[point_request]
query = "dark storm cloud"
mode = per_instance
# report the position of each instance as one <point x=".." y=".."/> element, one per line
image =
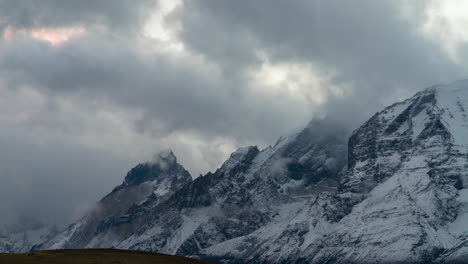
<point x="168" y="90"/>
<point x="371" y="44"/>
<point x="118" y="14"/>
<point x="373" y="48"/>
<point x="176" y="93"/>
<point x="51" y="179"/>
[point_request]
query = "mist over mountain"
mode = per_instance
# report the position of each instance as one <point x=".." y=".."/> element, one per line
<point x="281" y="128"/>
<point x="89" y="89"/>
<point x="394" y="191"/>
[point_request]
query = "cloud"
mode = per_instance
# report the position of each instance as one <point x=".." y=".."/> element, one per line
<point x="90" y="88"/>
<point x="55" y="36"/>
<point x="374" y="46"/>
<point x="120" y="15"/>
<point x="446" y="23"/>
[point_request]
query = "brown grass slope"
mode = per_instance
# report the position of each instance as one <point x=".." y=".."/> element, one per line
<point x="95" y="256"/>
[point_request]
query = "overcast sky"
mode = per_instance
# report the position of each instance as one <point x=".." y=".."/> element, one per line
<point x="90" y="88"/>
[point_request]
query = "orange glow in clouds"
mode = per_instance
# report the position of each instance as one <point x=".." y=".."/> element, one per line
<point x="7" y="33"/>
<point x="55" y="36"/>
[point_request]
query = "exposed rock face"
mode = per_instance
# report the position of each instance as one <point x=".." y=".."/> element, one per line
<point x="403" y="198"/>
<point x="398" y="192"/>
<point x="251" y="189"/>
<point x="407" y="165"/>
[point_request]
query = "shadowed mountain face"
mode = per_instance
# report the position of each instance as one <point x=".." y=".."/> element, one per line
<point x="396" y="192"/>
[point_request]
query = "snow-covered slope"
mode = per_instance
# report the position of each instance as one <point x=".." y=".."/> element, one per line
<point x="403" y="197"/>
<point x="397" y="192"/>
<point x="409" y="166"/>
<point x="251" y="189"/>
<point x="247" y="192"/>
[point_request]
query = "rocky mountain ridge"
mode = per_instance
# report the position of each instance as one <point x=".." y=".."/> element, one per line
<point x="397" y="191"/>
<point x="403" y="198"/>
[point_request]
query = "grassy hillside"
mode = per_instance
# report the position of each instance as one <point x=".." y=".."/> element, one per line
<point x="94" y="256"/>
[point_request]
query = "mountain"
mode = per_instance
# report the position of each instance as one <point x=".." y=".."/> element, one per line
<point x="395" y="191"/>
<point x="148" y="183"/>
<point x="402" y="199"/>
<point x="252" y="188"/>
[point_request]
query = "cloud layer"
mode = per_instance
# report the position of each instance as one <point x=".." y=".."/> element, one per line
<point x="90" y="88"/>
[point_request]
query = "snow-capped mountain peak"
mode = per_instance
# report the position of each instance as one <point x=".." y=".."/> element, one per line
<point x="163" y="168"/>
<point x="396" y="192"/>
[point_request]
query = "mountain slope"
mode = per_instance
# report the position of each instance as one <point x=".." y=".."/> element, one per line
<point x="415" y="154"/>
<point x="399" y="193"/>
<point x="402" y="198"/>
<point x="252" y="188"/>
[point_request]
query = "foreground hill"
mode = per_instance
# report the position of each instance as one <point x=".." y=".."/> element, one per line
<point x="95" y="256"/>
